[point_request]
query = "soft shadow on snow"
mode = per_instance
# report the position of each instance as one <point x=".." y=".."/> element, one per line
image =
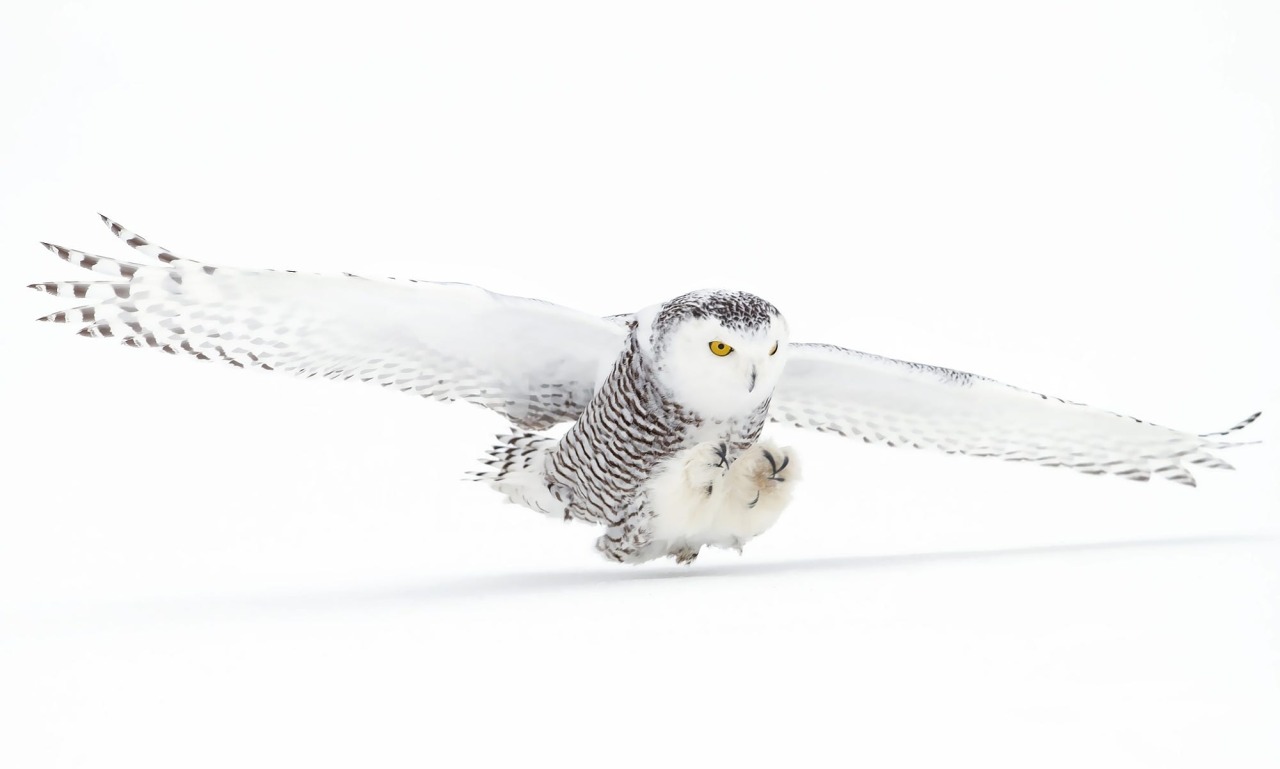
<point x="548" y="583"/>
<point x="534" y="583"/>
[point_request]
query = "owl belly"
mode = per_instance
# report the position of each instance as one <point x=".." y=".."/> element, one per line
<point x="697" y="497"/>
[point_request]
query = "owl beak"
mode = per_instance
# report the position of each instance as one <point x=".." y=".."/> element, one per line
<point x="751" y="382"/>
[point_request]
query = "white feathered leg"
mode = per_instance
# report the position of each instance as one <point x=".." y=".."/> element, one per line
<point x="758" y="488"/>
<point x="699" y="498"/>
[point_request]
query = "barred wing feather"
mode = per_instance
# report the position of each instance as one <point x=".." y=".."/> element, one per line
<point x="896" y="403"/>
<point x="532" y="361"/>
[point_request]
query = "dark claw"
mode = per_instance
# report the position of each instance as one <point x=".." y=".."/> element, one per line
<point x="774" y="467"/>
<point x="753" y="502"/>
<point x="685" y="556"/>
<point x="709" y="488"/>
<point x="722" y="451"/>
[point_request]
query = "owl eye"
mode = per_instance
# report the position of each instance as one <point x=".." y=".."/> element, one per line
<point x="720" y="348"/>
<point x="775" y="348"/>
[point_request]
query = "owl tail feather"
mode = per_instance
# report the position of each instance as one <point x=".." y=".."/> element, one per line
<point x="517" y="470"/>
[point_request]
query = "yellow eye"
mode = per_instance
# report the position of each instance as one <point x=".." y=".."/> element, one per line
<point x="720" y="348"/>
<point x="775" y="348"/>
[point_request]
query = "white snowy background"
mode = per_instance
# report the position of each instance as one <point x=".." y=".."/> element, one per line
<point x="201" y="566"/>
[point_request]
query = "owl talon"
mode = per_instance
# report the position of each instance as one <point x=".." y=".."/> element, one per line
<point x="761" y="472"/>
<point x="774" y="467"/>
<point x="706" y="467"/>
<point x="685" y="555"/>
<point x="722" y="453"/>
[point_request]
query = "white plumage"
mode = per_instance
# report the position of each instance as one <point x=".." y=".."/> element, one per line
<point x="894" y="403"/>
<point x="432" y="339"/>
<point x="666" y="404"/>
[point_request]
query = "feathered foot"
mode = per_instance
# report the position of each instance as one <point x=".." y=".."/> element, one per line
<point x="763" y="477"/>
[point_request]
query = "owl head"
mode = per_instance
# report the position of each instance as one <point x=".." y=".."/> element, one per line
<point x="719" y="353"/>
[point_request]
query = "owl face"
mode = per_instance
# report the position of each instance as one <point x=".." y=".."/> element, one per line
<point x="719" y="353"/>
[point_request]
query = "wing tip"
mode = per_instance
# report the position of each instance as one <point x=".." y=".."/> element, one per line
<point x="111" y="223"/>
<point x="139" y="243"/>
<point x="62" y="253"/>
<point x="1242" y="424"/>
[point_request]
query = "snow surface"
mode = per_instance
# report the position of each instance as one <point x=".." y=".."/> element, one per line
<point x="201" y="566"/>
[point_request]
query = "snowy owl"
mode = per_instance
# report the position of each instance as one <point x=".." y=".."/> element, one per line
<point x="665" y="405"/>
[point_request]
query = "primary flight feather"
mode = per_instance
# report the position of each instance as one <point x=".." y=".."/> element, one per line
<point x="667" y="404"/>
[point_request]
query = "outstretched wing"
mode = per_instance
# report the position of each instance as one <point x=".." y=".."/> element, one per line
<point x="893" y="402"/>
<point x="534" y="362"/>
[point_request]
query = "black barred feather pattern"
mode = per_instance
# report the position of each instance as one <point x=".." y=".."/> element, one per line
<point x="895" y="403"/>
<point x="608" y="454"/>
<point x="532" y="361"/>
<point x="513" y="452"/>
